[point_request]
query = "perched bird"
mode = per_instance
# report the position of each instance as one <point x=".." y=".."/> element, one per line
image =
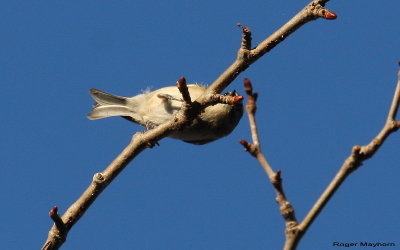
<point x="151" y="109"/>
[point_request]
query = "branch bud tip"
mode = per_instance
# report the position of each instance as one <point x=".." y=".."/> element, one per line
<point x="53" y="211"/>
<point x="330" y="15"/>
<point x="181" y="84"/>
<point x="181" y="81"/>
<point x="247" y="86"/>
<point x="244" y="28"/>
<point x="245" y="144"/>
<point x="236" y="99"/>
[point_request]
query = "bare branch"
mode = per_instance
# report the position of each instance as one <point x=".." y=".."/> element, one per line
<point x="396" y="100"/>
<point x="246" y="56"/>
<point x="359" y="154"/>
<point x="357" y="157"/>
<point x="254" y="149"/>
<point x="251" y="109"/>
<point x="60" y="230"/>
<point x="246" y="37"/>
<point x="140" y="141"/>
<point x="181" y="84"/>
<point x="56" y="218"/>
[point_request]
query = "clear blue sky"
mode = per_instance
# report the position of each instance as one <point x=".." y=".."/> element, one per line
<point x="323" y="90"/>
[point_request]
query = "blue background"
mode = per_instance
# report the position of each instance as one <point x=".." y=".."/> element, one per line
<point x="324" y="89"/>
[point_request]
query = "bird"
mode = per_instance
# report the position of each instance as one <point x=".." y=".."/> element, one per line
<point x="152" y="108"/>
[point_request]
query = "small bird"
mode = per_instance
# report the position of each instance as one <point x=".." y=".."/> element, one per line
<point x="151" y="109"/>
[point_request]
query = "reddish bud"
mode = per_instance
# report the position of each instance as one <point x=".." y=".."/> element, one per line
<point x="330" y="15"/>
<point x="53" y="211"/>
<point x="246" y="82"/>
<point x="247" y="86"/>
<point x="181" y="81"/>
<point x="243" y="142"/>
<point x="244" y="28"/>
<point x="237" y="98"/>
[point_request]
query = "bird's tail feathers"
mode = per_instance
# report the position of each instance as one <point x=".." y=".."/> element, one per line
<point x="108" y="105"/>
<point x="108" y="111"/>
<point x="104" y="98"/>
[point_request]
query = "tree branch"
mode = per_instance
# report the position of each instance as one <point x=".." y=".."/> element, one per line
<point x="254" y="149"/>
<point x="247" y="56"/>
<point x="357" y="157"/>
<point x="139" y="142"/>
<point x="359" y="154"/>
<point x="143" y="140"/>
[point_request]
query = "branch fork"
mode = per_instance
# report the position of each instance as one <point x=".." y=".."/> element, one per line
<point x="140" y="141"/>
<point x="294" y="230"/>
<point x="317" y="9"/>
<point x="247" y="55"/>
<point x="57" y="219"/>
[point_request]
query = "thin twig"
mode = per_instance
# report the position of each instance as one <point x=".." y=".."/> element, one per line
<point x="57" y="219"/>
<point x="254" y="149"/>
<point x="246" y="56"/>
<point x="181" y="84"/>
<point x="295" y="231"/>
<point x="357" y="157"/>
<point x="246" y="37"/>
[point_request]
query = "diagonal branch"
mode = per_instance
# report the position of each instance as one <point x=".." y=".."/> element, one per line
<point x="359" y="154"/>
<point x="140" y="141"/>
<point x="143" y="140"/>
<point x="247" y="56"/>
<point x="357" y="157"/>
